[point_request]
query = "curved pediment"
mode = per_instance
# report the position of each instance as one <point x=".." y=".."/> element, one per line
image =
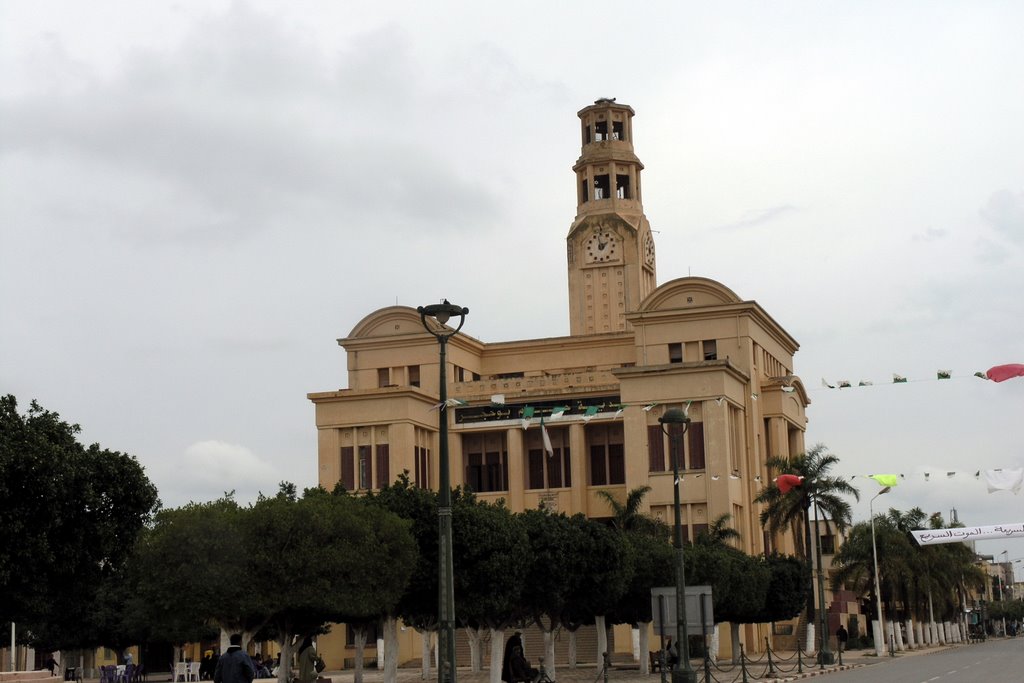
<point x="388" y="322"/>
<point x="687" y="292"/>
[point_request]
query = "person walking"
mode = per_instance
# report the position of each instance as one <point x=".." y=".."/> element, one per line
<point x="234" y="666"/>
<point x="307" y="662"/>
<point x="841" y="637"/>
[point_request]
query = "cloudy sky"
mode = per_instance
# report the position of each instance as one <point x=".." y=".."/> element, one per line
<point x="198" y="198"/>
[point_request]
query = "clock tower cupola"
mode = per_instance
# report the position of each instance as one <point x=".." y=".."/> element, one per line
<point x="610" y="248"/>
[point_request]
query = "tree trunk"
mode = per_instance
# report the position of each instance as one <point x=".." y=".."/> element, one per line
<point x="734" y="632"/>
<point x="476" y="653"/>
<point x="572" y="649"/>
<point x="645" y="647"/>
<point x="549" y="652"/>
<point x="390" y="650"/>
<point x="284" y="672"/>
<point x="602" y="639"/>
<point x="715" y="642"/>
<point x="497" y="654"/>
<point x="425" y="638"/>
<point x="910" y="633"/>
<point x="359" y="643"/>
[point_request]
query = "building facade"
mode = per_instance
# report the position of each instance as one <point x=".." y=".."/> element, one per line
<point x="635" y="349"/>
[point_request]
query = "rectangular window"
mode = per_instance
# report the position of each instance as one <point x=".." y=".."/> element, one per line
<point x="622" y="186"/>
<point x="655" y="448"/>
<point x="605" y="445"/>
<point x="383" y="466"/>
<point x="422" y="467"/>
<point x="601" y="131"/>
<point x="828" y="545"/>
<point x="695" y="439"/>
<point x="586" y="134"/>
<point x="584" y="191"/>
<point x="348" y="468"/>
<point x="710" y="349"/>
<point x="618" y="132"/>
<point x="414" y="375"/>
<point x="383" y="377"/>
<point x="364" y="467"/>
<point x="602" y="189"/>
<point x="675" y="353"/>
<point x="485" y="457"/>
<point x="698" y="529"/>
<point x="372" y="634"/>
<point x="548" y="471"/>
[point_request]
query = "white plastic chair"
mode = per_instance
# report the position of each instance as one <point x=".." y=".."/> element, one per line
<point x="180" y="671"/>
<point x="193" y="672"/>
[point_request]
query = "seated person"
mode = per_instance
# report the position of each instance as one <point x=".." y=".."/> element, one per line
<point x="671" y="654"/>
<point x="519" y="667"/>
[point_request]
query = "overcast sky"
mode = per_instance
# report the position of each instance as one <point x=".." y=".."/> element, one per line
<point x="198" y="198"/>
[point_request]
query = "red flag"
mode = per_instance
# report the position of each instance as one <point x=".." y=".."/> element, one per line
<point x="1001" y="373"/>
<point x="787" y="482"/>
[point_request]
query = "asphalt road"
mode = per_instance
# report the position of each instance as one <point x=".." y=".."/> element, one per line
<point x="994" y="661"/>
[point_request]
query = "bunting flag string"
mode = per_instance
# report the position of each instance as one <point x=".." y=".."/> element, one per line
<point x="998" y="373"/>
<point x="998" y="479"/>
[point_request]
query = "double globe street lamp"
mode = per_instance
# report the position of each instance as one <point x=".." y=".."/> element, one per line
<point x="440" y="314"/>
<point x="880" y="640"/>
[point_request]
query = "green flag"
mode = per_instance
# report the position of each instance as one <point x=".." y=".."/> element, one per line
<point x="885" y="479"/>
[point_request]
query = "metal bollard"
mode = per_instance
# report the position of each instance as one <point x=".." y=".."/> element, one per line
<point x="768" y="649"/>
<point x="799" y="658"/>
<point x="743" y="663"/>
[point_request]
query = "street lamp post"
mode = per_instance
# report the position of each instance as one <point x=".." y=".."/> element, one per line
<point x="878" y="591"/>
<point x="1002" y="582"/>
<point x="824" y="654"/>
<point x="683" y="673"/>
<point x="441" y="313"/>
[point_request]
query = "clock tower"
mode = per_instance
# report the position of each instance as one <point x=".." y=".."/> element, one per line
<point x="610" y="248"/>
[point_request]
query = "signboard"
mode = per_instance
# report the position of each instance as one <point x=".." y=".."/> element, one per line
<point x="663" y="607"/>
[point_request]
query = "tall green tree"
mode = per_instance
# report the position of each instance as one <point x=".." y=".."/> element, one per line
<point x="793" y="510"/>
<point x="628" y="515"/>
<point x="75" y="511"/>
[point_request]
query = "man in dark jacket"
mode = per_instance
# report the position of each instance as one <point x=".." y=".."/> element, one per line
<point x="234" y="666"/>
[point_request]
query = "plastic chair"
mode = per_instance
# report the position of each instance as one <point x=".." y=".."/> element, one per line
<point x="180" y="671"/>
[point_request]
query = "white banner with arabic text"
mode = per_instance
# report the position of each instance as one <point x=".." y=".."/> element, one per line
<point x="973" y="533"/>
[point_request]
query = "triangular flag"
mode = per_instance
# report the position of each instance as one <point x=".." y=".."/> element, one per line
<point x="980" y="374"/>
<point x="590" y="413"/>
<point x="686" y="408"/>
<point x="647" y="408"/>
<point x="789" y="390"/>
<point x="927" y="475"/>
<point x="753" y="397"/>
<point x="950" y="474"/>
<point x="824" y="383"/>
<point x="558" y="411"/>
<point x="527" y="414"/>
<point x="1001" y="373"/>
<point x="844" y="384"/>
<point x="618" y="413"/>
<point x="720" y="400"/>
<point x="498" y="399"/>
<point x="898" y="379"/>
<point x="943" y="374"/>
<point x="715" y="477"/>
<point x="734" y="475"/>
<point x="865" y="383"/>
<point x="449" y="403"/>
<point x="885" y="479"/>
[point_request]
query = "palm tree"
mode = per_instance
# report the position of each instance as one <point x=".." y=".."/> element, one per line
<point x="628" y="517"/>
<point x="793" y="508"/>
<point x="719" y="533"/>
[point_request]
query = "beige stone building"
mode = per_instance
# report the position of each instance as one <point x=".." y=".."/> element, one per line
<point x="635" y="349"/>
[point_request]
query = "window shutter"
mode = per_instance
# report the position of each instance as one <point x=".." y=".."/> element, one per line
<point x="383" y="466"/>
<point x="696" y="445"/>
<point x="656" y="448"/>
<point x="348" y="468"/>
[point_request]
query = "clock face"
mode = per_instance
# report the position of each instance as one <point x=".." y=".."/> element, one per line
<point x="649" y="250"/>
<point x="602" y="246"/>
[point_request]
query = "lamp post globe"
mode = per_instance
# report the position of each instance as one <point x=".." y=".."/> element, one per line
<point x="683" y="673"/>
<point x="440" y="315"/>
